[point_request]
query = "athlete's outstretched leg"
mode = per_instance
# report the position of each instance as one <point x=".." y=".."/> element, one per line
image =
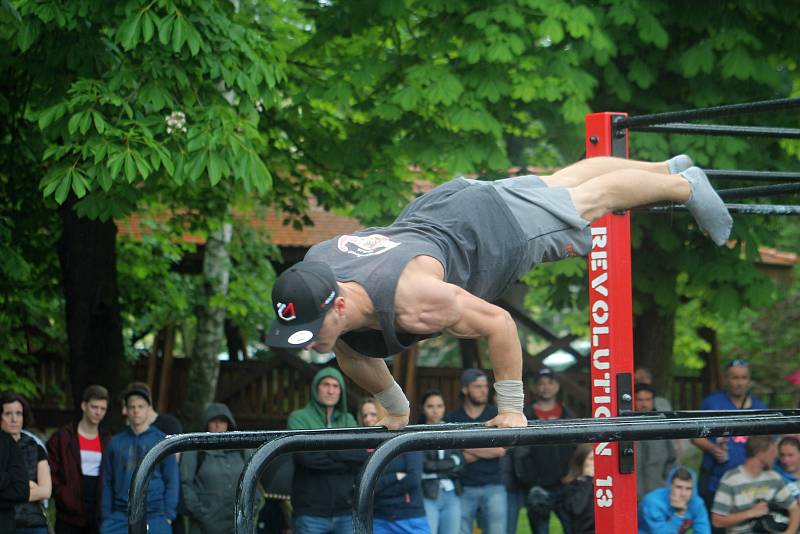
<point x="587" y="169"/>
<point x="628" y="188"/>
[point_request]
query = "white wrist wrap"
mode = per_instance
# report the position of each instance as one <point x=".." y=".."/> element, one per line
<point x="510" y="395"/>
<point x="394" y="400"/>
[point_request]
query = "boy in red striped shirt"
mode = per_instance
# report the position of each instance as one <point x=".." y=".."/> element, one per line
<point x="75" y="453"/>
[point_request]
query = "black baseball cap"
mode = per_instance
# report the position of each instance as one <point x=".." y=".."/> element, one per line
<point x="301" y="297"/>
<point x="545" y="372"/>
<point x="471" y="375"/>
<point x="139" y="392"/>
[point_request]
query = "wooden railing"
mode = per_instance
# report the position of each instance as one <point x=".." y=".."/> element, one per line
<point x="261" y="393"/>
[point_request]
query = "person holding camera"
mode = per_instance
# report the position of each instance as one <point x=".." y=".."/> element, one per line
<point x="753" y="497"/>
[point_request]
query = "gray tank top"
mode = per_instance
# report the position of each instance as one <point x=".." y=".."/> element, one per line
<point x="465" y="225"/>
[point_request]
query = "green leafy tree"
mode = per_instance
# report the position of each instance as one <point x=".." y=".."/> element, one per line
<point x="134" y="101"/>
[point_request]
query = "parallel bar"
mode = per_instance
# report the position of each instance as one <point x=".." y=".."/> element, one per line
<point x="137" y="497"/>
<point x="571" y="431"/>
<point x="760" y="176"/>
<point x="758" y="191"/>
<point x="744" y="209"/>
<point x="246" y="493"/>
<point x="359" y="437"/>
<point x="721" y="129"/>
<point x="708" y="113"/>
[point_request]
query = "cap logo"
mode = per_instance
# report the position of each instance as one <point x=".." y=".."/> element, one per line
<point x="328" y="300"/>
<point x="300" y="337"/>
<point x="286" y="311"/>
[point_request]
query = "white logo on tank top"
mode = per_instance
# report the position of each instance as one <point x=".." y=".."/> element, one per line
<point x="370" y="245"/>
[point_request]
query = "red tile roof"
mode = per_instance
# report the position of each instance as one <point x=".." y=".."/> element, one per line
<point x="328" y="224"/>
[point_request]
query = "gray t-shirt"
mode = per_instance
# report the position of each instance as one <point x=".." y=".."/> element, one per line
<point x="466" y="226"/>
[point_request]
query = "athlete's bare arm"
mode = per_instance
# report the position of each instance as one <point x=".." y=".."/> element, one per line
<point x="425" y="304"/>
<point x="371" y="374"/>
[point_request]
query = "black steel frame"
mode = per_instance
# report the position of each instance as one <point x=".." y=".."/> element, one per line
<point x="271" y="444"/>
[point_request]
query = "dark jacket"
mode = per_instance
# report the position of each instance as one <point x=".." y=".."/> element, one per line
<point x="13" y="482"/>
<point x="439" y="465"/>
<point x="400" y="499"/>
<point x="209" y="480"/>
<point x="542" y="465"/>
<point x="31" y="514"/>
<point x="578" y="502"/>
<point x="323" y="481"/>
<point x="64" y="457"/>
<point x="124" y="452"/>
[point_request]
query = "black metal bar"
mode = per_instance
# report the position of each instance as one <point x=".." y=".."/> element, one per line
<point x="721" y="129"/>
<point x="743" y="209"/>
<point x="760" y="176"/>
<point x="708" y="113"/>
<point x="758" y="191"/>
<point x="572" y="431"/>
<point x="137" y="511"/>
<point x="246" y="493"/>
<point x="137" y="498"/>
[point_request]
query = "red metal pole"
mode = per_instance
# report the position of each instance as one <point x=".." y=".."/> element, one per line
<point x="611" y="321"/>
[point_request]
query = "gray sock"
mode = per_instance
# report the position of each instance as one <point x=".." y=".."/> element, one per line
<point x="679" y="163"/>
<point x="706" y="207"/>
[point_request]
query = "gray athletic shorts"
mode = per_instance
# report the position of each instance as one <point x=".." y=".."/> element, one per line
<point x="547" y="216"/>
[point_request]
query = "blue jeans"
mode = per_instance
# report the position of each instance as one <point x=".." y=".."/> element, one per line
<point x="488" y="504"/>
<point x="516" y="500"/>
<point x="312" y="524"/>
<point x="117" y="523"/>
<point x="413" y="525"/>
<point x="444" y="513"/>
<point x="542" y="526"/>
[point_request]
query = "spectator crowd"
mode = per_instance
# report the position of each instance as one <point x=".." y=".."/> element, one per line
<point x="81" y="475"/>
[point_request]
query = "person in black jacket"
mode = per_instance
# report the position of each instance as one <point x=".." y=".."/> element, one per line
<point x="16" y="414"/>
<point x="577" y="499"/>
<point x="14" y="487"/>
<point x="441" y="487"/>
<point x="541" y="467"/>
<point x="398" y="504"/>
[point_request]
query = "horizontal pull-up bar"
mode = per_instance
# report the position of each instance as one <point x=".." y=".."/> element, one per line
<point x="721" y="129"/>
<point x="599" y="431"/>
<point x="758" y="191"/>
<point x="743" y="209"/>
<point x="707" y="113"/>
<point x="760" y="176"/>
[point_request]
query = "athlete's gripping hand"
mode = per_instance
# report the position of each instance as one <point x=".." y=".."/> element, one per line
<point x="395" y="422"/>
<point x="508" y="420"/>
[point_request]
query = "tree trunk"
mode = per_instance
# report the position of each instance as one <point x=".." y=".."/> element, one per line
<point x="204" y="366"/>
<point x="87" y="253"/>
<point x="653" y="341"/>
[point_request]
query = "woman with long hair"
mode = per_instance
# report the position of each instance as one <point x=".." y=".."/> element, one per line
<point x="440" y="484"/>
<point x="398" y="507"/>
<point x="579" y="490"/>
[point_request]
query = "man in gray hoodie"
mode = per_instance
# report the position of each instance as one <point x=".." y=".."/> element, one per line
<point x="209" y="478"/>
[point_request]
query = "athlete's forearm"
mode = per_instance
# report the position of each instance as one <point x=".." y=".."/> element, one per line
<point x="506" y="355"/>
<point x="373" y="375"/>
<point x="505" y="351"/>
